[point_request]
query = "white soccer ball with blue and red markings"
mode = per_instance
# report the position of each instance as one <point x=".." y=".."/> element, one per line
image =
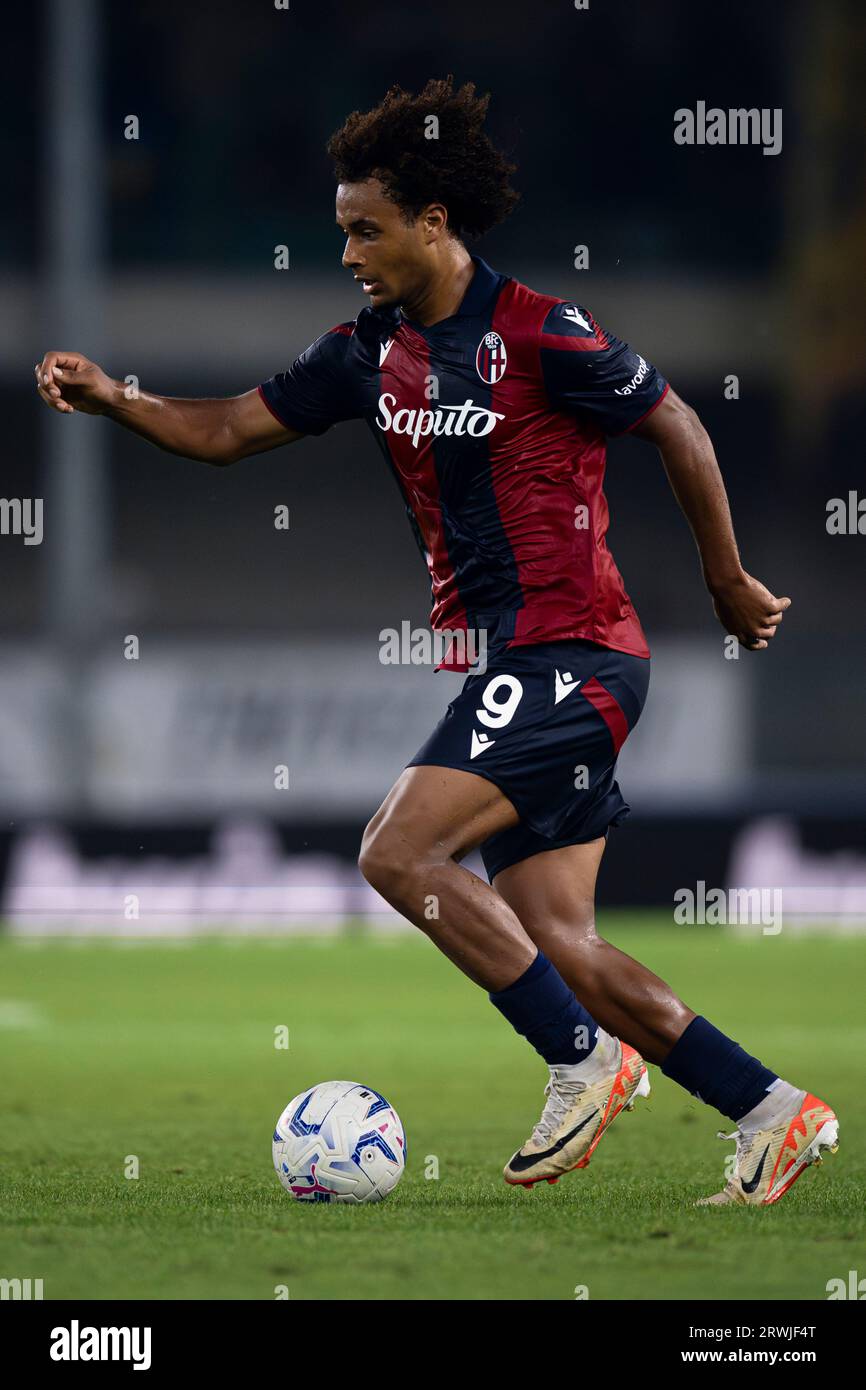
<point x="339" y="1142"/>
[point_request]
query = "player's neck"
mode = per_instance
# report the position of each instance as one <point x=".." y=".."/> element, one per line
<point x="443" y="295"/>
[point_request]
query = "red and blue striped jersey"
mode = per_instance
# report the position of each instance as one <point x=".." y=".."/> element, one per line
<point x="494" y="423"/>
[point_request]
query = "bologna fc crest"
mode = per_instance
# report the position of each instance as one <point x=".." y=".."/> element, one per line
<point x="491" y="358"/>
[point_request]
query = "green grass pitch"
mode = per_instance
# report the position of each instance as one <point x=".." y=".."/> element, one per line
<point x="166" y="1052"/>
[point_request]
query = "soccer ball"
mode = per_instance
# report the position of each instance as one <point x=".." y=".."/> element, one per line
<point x="339" y="1142"/>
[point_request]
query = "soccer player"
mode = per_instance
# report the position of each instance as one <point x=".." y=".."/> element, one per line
<point x="491" y="404"/>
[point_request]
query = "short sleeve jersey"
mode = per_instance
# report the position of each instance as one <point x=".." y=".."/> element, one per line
<point x="494" y="424"/>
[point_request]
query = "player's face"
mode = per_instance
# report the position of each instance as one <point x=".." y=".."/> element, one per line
<point x="388" y="256"/>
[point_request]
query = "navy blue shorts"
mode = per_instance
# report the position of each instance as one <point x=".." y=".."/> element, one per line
<point x="545" y="723"/>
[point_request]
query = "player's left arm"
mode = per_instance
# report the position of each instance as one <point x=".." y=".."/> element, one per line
<point x="589" y="370"/>
<point x="742" y="604"/>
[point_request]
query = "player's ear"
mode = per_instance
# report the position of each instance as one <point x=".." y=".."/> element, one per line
<point x="435" y="220"/>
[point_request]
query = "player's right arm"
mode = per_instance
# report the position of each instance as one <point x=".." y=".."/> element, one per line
<point x="218" y="431"/>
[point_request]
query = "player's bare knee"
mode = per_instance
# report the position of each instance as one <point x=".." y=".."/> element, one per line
<point x="370" y="857"/>
<point x="386" y="865"/>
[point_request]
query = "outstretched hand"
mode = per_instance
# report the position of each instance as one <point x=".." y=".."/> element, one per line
<point x="68" y="381"/>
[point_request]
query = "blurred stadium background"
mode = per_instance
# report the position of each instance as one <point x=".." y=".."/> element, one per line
<point x="138" y="796"/>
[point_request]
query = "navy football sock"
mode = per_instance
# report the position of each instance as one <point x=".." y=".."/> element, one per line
<point x="540" y="1005"/>
<point x="717" y="1070"/>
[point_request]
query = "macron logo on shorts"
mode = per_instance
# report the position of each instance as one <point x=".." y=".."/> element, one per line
<point x="480" y="742"/>
<point x="564" y="685"/>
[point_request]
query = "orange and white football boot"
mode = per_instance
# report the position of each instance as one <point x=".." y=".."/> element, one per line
<point x="577" y="1113"/>
<point x="769" y="1161"/>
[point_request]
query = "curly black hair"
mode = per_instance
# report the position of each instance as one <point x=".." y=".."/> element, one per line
<point x="460" y="168"/>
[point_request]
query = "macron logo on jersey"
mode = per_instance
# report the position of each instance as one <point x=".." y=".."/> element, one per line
<point x="572" y="312"/>
<point x="384" y="349"/>
<point x="467" y="418"/>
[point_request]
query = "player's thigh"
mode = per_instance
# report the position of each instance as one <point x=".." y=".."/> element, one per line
<point x="553" y="894"/>
<point x="439" y="810"/>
